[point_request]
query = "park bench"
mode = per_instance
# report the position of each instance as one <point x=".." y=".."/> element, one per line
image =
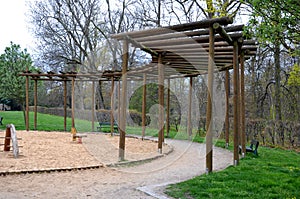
<point x="252" y="148"/>
<point x="108" y="125"/>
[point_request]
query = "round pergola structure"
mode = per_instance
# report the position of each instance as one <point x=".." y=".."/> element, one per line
<point x="181" y="51"/>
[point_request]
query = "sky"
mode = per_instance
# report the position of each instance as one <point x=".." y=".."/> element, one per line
<point x="13" y="25"/>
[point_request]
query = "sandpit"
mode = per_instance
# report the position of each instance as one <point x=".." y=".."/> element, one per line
<point x="46" y="151"/>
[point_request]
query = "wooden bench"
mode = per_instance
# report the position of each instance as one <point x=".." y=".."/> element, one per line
<point x="108" y="125"/>
<point x="252" y="148"/>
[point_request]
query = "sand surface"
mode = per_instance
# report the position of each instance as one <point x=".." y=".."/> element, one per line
<point x="145" y="180"/>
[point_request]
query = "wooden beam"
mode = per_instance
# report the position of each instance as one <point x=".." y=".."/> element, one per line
<point x="141" y="46"/>
<point x="176" y="35"/>
<point x="223" y="33"/>
<point x="119" y="104"/>
<point x="112" y="109"/>
<point x="186" y="41"/>
<point x="144" y="104"/>
<point x="227" y="93"/>
<point x="73" y="102"/>
<point x="209" y="120"/>
<point x="93" y="106"/>
<point x="27" y="103"/>
<point x="189" y="124"/>
<point x="242" y="106"/>
<point x="168" y="110"/>
<point x="180" y="27"/>
<point x="65" y="105"/>
<point x="161" y="102"/>
<point x="123" y="100"/>
<point x="35" y="104"/>
<point x="236" y="106"/>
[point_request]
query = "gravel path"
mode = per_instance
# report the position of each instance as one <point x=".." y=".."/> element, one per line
<point x="136" y="181"/>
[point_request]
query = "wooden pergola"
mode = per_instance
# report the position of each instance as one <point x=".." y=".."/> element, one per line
<point x="179" y="51"/>
<point x="191" y="49"/>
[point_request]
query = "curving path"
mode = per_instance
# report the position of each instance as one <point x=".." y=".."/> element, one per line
<point x="136" y="181"/>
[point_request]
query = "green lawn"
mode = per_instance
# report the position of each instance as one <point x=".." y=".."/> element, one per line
<point x="275" y="173"/>
<point x="45" y="122"/>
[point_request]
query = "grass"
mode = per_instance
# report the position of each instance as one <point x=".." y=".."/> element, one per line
<point x="275" y="173"/>
<point x="45" y="122"/>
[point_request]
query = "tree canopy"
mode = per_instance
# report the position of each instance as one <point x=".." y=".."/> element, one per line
<point x="14" y="61"/>
<point x="274" y="21"/>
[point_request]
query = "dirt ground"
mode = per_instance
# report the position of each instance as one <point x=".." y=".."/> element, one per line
<point x="41" y="150"/>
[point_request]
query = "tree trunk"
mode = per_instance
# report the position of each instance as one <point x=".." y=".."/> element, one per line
<point x="100" y="100"/>
<point x="277" y="82"/>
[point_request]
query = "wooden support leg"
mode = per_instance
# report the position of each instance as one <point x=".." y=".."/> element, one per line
<point x="236" y="107"/>
<point x="123" y="102"/>
<point x="209" y="121"/>
<point x="161" y="103"/>
<point x="7" y="139"/>
<point x="227" y="90"/>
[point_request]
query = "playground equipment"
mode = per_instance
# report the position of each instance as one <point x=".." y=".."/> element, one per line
<point x="11" y="135"/>
<point x="75" y="135"/>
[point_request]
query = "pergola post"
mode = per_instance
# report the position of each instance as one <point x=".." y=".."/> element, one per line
<point x="168" y="110"/>
<point x="144" y="104"/>
<point x="93" y="106"/>
<point x="27" y="103"/>
<point x="119" y="103"/>
<point x="73" y="102"/>
<point x="161" y="103"/>
<point x="35" y="104"/>
<point x="236" y="102"/>
<point x="242" y="106"/>
<point x="112" y="106"/>
<point x="227" y="93"/>
<point x="189" y="122"/>
<point x="123" y="101"/>
<point x="209" y="119"/>
<point x="65" y="105"/>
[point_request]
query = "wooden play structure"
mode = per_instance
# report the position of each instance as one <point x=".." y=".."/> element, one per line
<point x="11" y="140"/>
<point x="77" y="136"/>
<point x="179" y="51"/>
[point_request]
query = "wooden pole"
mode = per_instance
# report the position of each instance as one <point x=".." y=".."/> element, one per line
<point x="209" y="121"/>
<point x="112" y="106"/>
<point x="144" y="104"/>
<point x="161" y="103"/>
<point x="73" y="102"/>
<point x="168" y="110"/>
<point x="235" y="104"/>
<point x="93" y="106"/>
<point x="65" y="105"/>
<point x="123" y="101"/>
<point x="119" y="103"/>
<point x="189" y="124"/>
<point x="242" y="104"/>
<point x="227" y="92"/>
<point x="27" y="103"/>
<point x="35" y="104"/>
